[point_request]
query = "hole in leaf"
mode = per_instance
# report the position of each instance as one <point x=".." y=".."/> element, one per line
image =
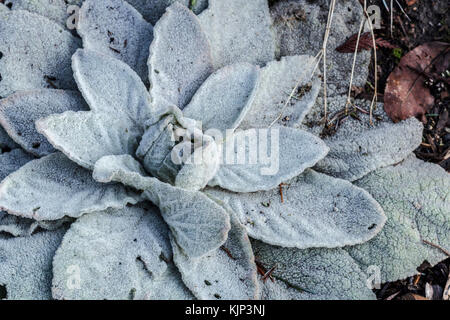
<point x="36" y="145"/>
<point x="3" y="292"/>
<point x="372" y="226"/>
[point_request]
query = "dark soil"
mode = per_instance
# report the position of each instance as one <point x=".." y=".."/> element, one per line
<point x="413" y="288"/>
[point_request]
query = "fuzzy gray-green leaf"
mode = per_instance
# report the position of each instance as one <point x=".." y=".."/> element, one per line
<point x="226" y="273"/>
<point x="224" y="98"/>
<point x="239" y="31"/>
<point x="117" y="254"/>
<point x="358" y="147"/>
<point x="53" y="187"/>
<point x="286" y="91"/>
<point x="180" y="58"/>
<point x="416" y="198"/>
<point x="115" y="28"/>
<point x="319" y="273"/>
<point x="26" y="265"/>
<point x="252" y="168"/>
<point x="36" y="53"/>
<point x="198" y="224"/>
<point x="19" y="112"/>
<point x="316" y="211"/>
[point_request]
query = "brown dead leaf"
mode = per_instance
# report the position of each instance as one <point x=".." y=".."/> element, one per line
<point x="406" y="95"/>
<point x="411" y="2"/>
<point x="365" y="43"/>
<point x="412" y="296"/>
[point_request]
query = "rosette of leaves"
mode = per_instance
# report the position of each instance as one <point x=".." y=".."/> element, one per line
<point x="124" y="251"/>
<point x="199" y="238"/>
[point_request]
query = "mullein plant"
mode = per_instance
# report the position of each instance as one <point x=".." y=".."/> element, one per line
<point x="112" y="190"/>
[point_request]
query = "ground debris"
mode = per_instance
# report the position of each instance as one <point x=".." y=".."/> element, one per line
<point x="431" y="283"/>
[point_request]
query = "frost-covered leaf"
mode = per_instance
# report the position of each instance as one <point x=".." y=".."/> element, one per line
<point x="195" y="176"/>
<point x="239" y="31"/>
<point x="415" y="196"/>
<point x="110" y="86"/>
<point x="198" y="224"/>
<point x="278" y="81"/>
<point x="19" y="111"/>
<point x="358" y="148"/>
<point x="12" y="161"/>
<point x="180" y="58"/>
<point x="85" y="137"/>
<point x="287" y="153"/>
<point x="10" y="224"/>
<point x="55" y="10"/>
<point x="224" y="98"/>
<point x="36" y="53"/>
<point x="299" y="26"/>
<point x="120" y="105"/>
<point x="155" y="150"/>
<point x="280" y="290"/>
<point x="316" y="211"/>
<point x="228" y="273"/>
<point x="115" y="28"/>
<point x="26" y="265"/>
<point x="319" y="273"/>
<point x="53" y="187"/>
<point x="117" y="254"/>
<point x="3" y="8"/>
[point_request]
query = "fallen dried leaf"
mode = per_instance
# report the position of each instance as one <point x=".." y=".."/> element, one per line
<point x="411" y="2"/>
<point x="406" y="94"/>
<point x="365" y="43"/>
<point x="412" y="296"/>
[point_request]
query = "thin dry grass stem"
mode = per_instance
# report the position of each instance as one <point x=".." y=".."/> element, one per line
<point x="321" y="55"/>
<point x="375" y="96"/>
<point x="437" y="247"/>
<point x="402" y="10"/>
<point x="324" y="52"/>
<point x="354" y="65"/>
<point x="317" y="58"/>
<point x="392" y="18"/>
